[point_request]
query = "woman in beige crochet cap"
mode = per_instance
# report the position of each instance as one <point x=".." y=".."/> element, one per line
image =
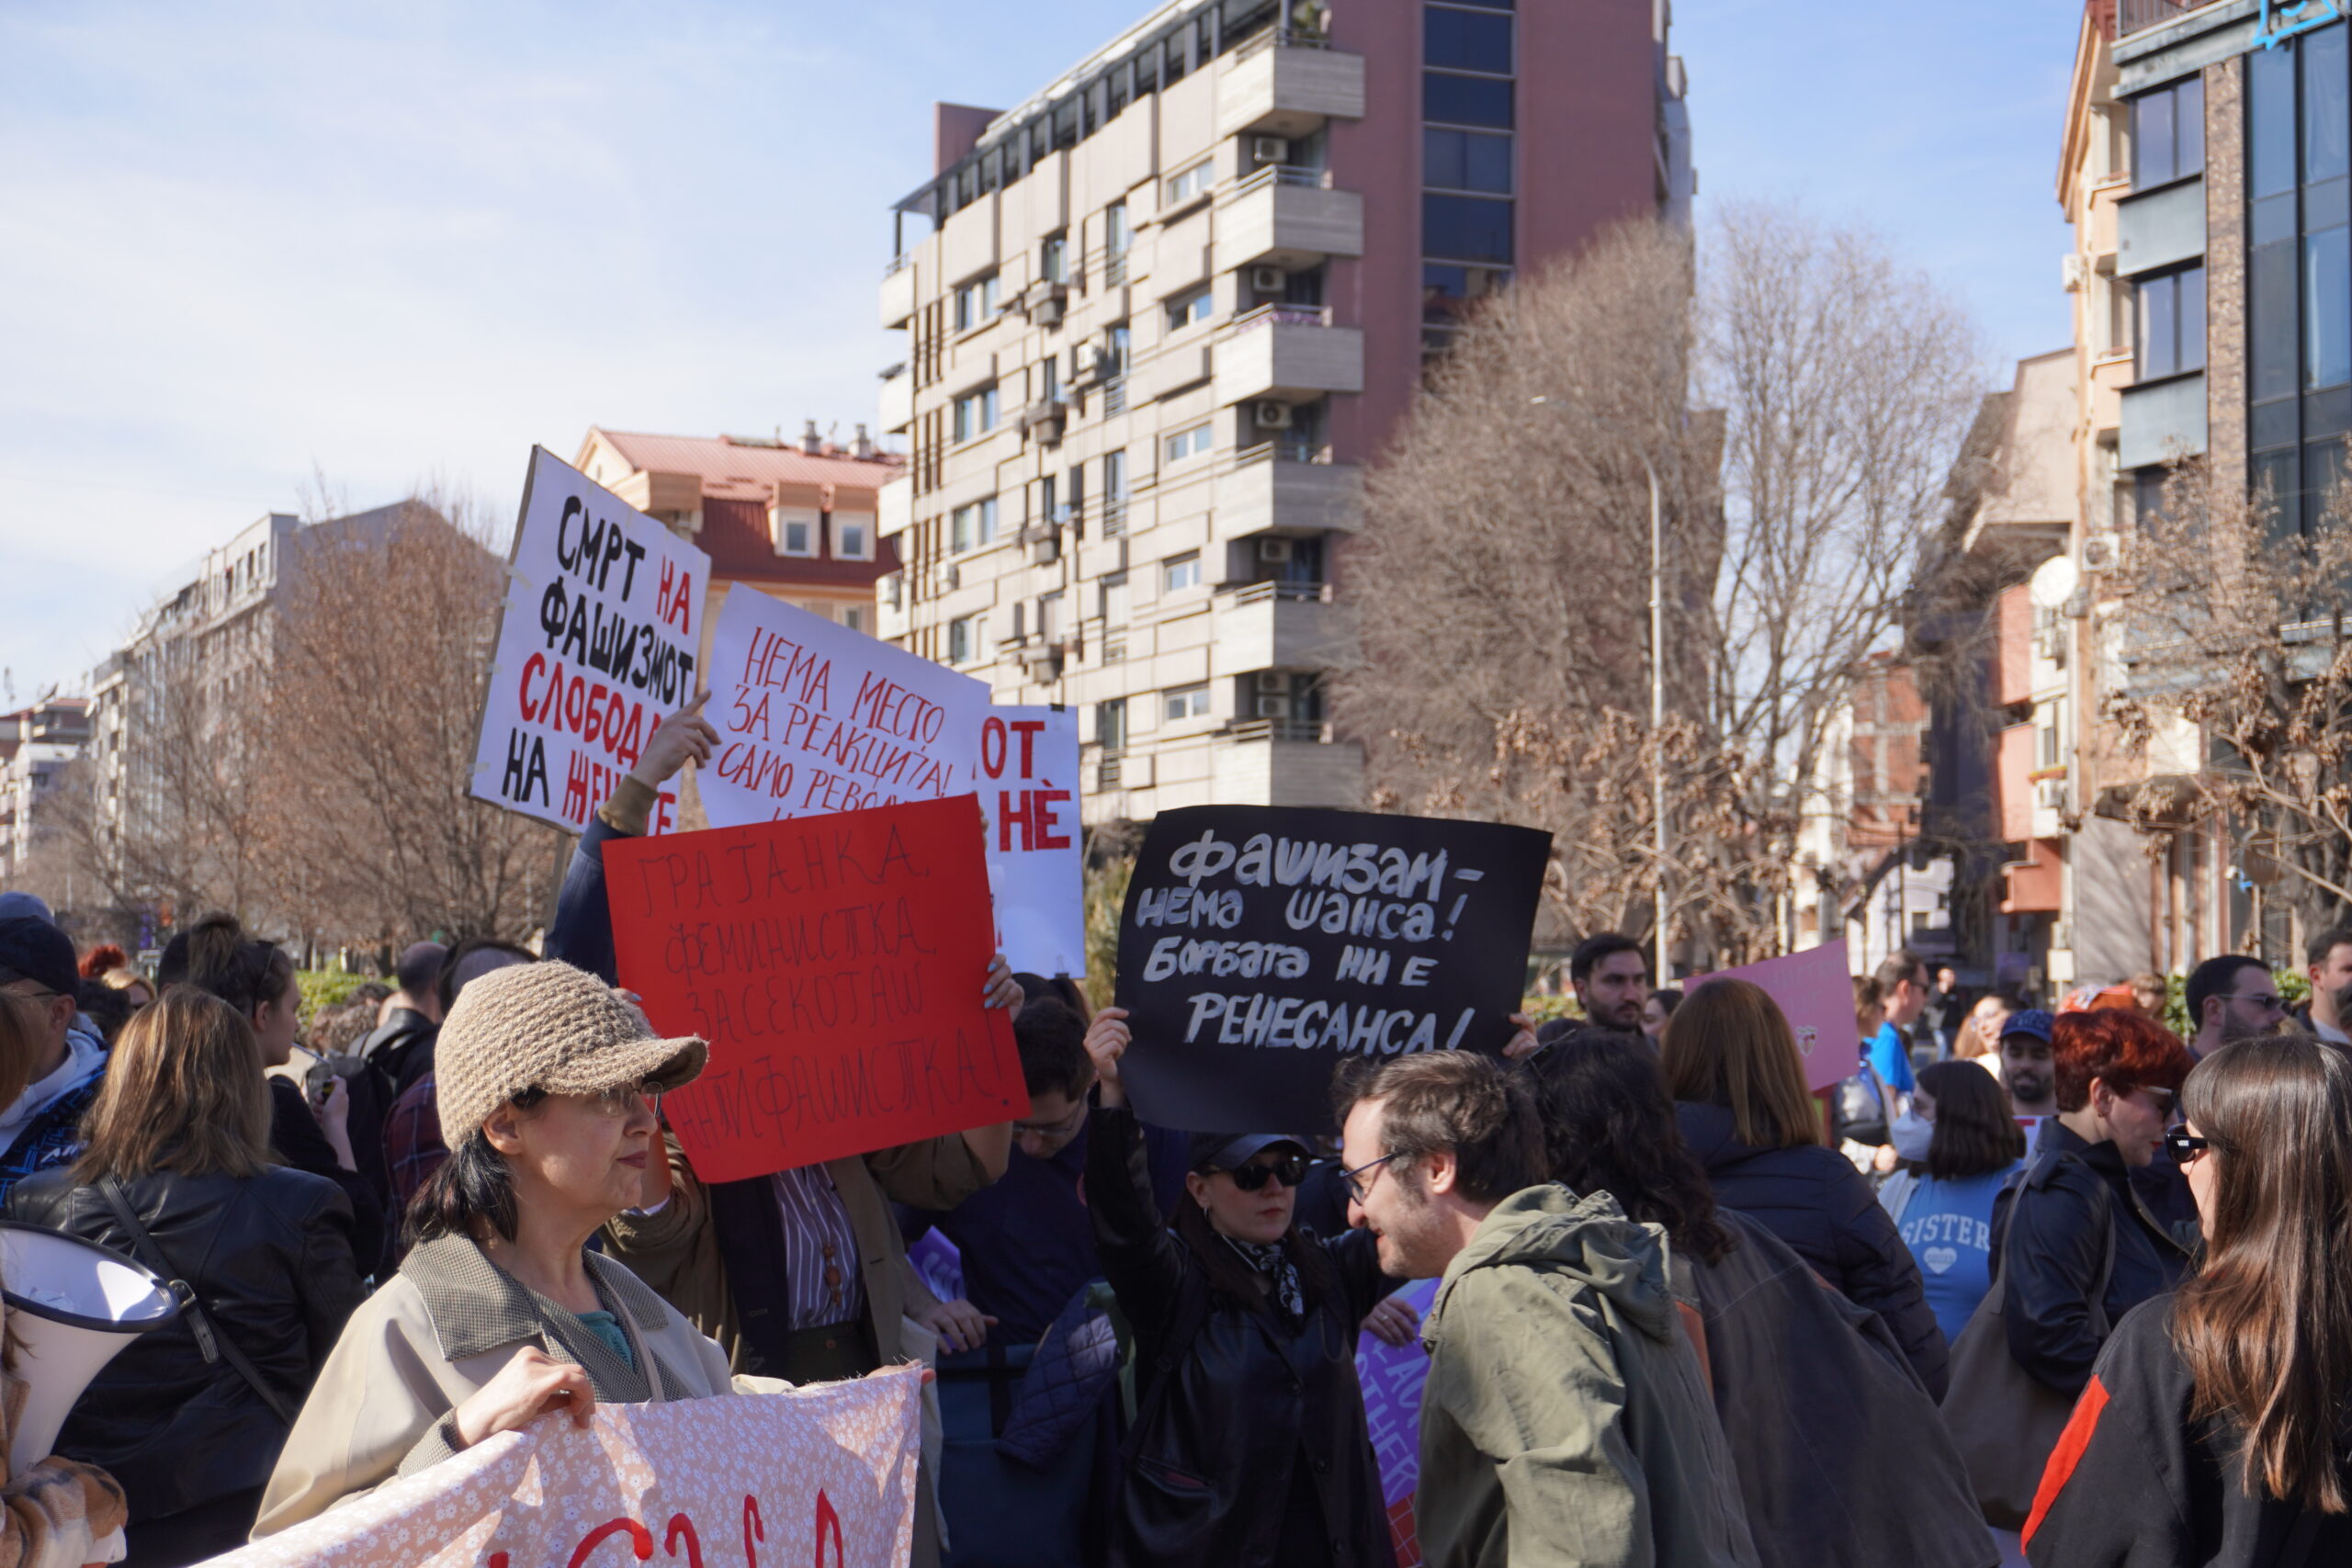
<point x="500" y="1315"/>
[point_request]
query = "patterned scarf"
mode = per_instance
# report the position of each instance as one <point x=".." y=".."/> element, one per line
<point x="1271" y="1259"/>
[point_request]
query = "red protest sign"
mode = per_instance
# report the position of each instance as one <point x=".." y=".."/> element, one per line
<point x="835" y="965"/>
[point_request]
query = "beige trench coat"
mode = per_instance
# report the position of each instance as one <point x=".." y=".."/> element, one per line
<point x="439" y="1330"/>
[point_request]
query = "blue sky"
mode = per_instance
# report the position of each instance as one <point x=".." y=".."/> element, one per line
<point x="394" y="246"/>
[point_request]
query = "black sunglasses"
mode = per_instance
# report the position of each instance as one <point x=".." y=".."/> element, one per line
<point x="2184" y="1146"/>
<point x="1290" y="1172"/>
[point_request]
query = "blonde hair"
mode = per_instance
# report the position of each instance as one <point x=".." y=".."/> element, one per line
<point x="1729" y="1044"/>
<point x="184" y="1092"/>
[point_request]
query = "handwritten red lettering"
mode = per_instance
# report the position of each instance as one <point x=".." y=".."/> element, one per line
<point x="640" y="1541"/>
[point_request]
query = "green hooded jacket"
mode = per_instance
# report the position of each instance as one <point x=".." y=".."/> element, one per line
<point x="1565" y="1423"/>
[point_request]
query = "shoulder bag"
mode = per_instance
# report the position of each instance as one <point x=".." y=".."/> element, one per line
<point x="2003" y="1421"/>
<point x="215" y="1344"/>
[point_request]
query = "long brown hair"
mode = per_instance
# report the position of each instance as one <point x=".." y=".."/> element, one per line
<point x="24" y="1035"/>
<point x="184" y="1092"/>
<point x="1729" y="1044"/>
<point x="2266" y="1327"/>
<point x="217" y="954"/>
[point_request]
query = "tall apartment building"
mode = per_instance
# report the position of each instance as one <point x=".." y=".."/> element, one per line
<point x="37" y="743"/>
<point x="796" y="519"/>
<point x="1170" y="307"/>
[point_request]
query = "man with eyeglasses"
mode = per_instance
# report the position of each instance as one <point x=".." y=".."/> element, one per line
<point x="2231" y="997"/>
<point x="43" y="1127"/>
<point x="1565" y="1418"/>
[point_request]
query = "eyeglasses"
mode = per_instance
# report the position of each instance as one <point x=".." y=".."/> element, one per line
<point x="1052" y="1129"/>
<point x="1356" y="1188"/>
<point x="623" y="1099"/>
<point x="2184" y="1146"/>
<point x="1289" y="1171"/>
<point x="2268" y="1002"/>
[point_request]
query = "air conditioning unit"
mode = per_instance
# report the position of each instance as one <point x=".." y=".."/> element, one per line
<point x="1271" y="680"/>
<point x="2049" y="795"/>
<point x="2070" y="271"/>
<point x="1274" y="549"/>
<point x="2102" y="552"/>
<point x="1273" y="707"/>
<point x="1268" y="280"/>
<point x="1270" y="149"/>
<point x="1048" y="312"/>
<point x="950" y="578"/>
<point x="1271" y="415"/>
<point x="1045" y="551"/>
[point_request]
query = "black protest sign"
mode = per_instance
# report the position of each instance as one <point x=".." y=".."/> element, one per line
<point x="1261" y="946"/>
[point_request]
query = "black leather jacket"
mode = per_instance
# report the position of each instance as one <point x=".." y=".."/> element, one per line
<point x="269" y="1256"/>
<point x="2060" y="1219"/>
<point x="1208" y="1472"/>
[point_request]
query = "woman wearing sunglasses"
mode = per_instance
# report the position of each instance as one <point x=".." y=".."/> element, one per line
<point x="1248" y="1444"/>
<point x="2217" y="1426"/>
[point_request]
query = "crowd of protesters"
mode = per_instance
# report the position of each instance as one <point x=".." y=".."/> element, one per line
<point x="2059" y="1287"/>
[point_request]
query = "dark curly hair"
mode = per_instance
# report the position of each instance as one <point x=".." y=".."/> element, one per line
<point x="1608" y="1127"/>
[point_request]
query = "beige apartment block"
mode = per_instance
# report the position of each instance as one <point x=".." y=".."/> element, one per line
<point x="1168" y="309"/>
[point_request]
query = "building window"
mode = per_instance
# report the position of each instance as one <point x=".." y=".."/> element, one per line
<point x="796" y="536"/>
<point x="1450" y="293"/>
<point x="1465" y="160"/>
<point x="976" y="303"/>
<point x="1110" y="723"/>
<point x="1114" y="351"/>
<point x="1114" y="600"/>
<point x="1465" y="40"/>
<point x="1053" y="262"/>
<point x="1190" y="309"/>
<point x="853" y="537"/>
<point x="1466" y="228"/>
<point x="1049" y="618"/>
<point x="1186" y="444"/>
<point x="1182" y="703"/>
<point x="976" y="413"/>
<point x="2172" y="323"/>
<point x="967" y="639"/>
<point x="1115" y="494"/>
<point x="1116" y="236"/>
<point x="2168" y="133"/>
<point x="1448" y="99"/>
<point x="1195" y="181"/>
<point x="972" y="526"/>
<point x="1179" y="572"/>
<point x="853" y="617"/>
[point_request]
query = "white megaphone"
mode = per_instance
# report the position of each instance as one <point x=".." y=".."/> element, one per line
<point x="73" y="1305"/>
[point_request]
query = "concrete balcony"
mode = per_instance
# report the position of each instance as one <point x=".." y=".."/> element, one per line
<point x="1286" y="763"/>
<point x="897" y="404"/>
<point x="1287" y="352"/>
<point x="1273" y="626"/>
<point x="1271" y="487"/>
<point x="1279" y="85"/>
<point x="899" y="293"/>
<point x="895" y="507"/>
<point x="1285" y="217"/>
<point x="2160" y="228"/>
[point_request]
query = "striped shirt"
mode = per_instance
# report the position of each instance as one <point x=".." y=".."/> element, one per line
<point x="820" y="1264"/>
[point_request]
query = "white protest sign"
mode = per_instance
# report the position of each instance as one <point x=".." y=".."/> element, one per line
<point x="814" y="718"/>
<point x="1027" y="776"/>
<point x="596" y="643"/>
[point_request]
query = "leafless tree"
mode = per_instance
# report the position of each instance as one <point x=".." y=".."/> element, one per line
<point x="383" y="644"/>
<point x="2228" y="670"/>
<point x="1502" y="583"/>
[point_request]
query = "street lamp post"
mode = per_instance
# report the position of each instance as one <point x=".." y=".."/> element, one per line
<point x="1658" y="710"/>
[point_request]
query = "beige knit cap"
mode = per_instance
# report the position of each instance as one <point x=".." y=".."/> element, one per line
<point x="552" y="1027"/>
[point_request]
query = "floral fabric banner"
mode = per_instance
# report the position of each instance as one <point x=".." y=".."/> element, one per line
<point x="729" y="1482"/>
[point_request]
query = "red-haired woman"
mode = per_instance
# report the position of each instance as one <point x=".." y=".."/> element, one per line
<point x="2076" y="1248"/>
<point x="2218" y="1429"/>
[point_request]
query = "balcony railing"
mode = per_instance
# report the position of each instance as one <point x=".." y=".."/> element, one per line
<point x="1274" y="38"/>
<point x="1282" y="449"/>
<point x="898" y="264"/>
<point x="1290" y="174"/>
<point x="1313" y="731"/>
<point x="2139" y="16"/>
<point x="1279" y="316"/>
<point x="1281" y="594"/>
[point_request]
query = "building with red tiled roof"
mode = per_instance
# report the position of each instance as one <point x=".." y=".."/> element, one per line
<point x="796" y="520"/>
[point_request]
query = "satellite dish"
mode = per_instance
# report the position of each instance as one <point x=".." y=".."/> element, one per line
<point x="2055" y="581"/>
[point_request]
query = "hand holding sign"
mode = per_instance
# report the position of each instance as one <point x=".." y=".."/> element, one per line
<point x="1107" y="1038"/>
<point x="683" y="737"/>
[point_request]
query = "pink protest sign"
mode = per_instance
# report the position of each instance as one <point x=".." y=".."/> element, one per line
<point x="1817" y="991"/>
